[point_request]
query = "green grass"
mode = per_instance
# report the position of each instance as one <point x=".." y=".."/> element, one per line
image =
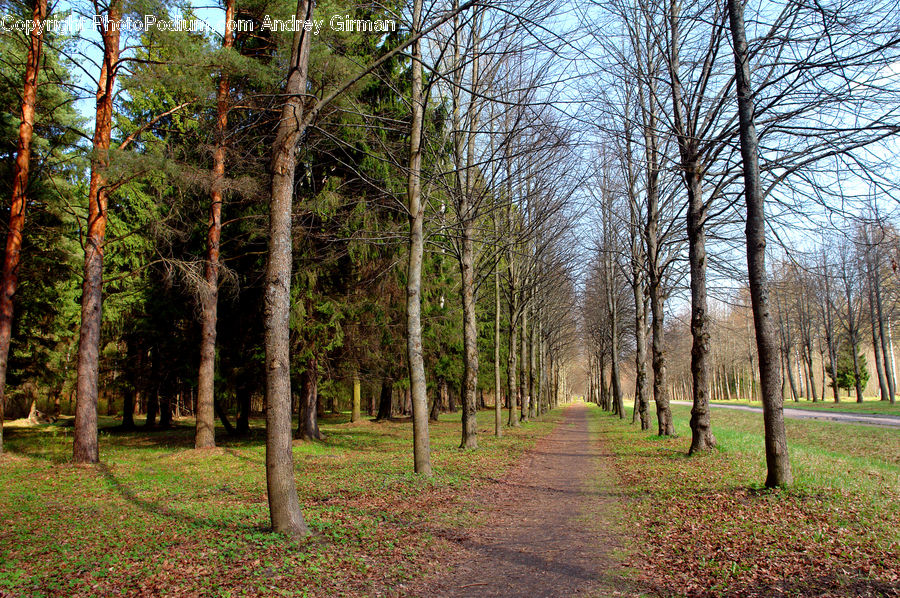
<point x="709" y="525"/>
<point x="847" y="405"/>
<point x="158" y="518"/>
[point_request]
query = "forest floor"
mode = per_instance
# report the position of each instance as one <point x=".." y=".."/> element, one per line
<point x="705" y="526"/>
<point x="546" y="527"/>
<point x="159" y="519"/>
<point x="579" y="503"/>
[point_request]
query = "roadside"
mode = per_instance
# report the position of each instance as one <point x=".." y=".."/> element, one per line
<point x="889" y="421"/>
<point x="704" y="526"/>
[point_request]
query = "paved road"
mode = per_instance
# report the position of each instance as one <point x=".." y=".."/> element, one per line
<point x="884" y="421"/>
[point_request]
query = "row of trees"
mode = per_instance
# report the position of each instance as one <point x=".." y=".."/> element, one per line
<point x="706" y="116"/>
<point x="294" y="208"/>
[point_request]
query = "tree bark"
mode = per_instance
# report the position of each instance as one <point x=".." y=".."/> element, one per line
<point x="879" y="304"/>
<point x="777" y="460"/>
<point x="523" y="363"/>
<point x="415" y="359"/>
<point x="829" y="330"/>
<point x="355" y="414"/>
<point x="10" y="279"/>
<point x="702" y="438"/>
<point x="651" y="238"/>
<point x="385" y="400"/>
<point x="209" y="295"/>
<point x="613" y="309"/>
<point x="284" y="506"/>
<point x="308" y="416"/>
<point x="466" y="213"/>
<point x="470" y="341"/>
<point x="604" y="391"/>
<point x="640" y="338"/>
<point x="85" y="447"/>
<point x="512" y="365"/>
<point x="873" y="318"/>
<point x="434" y="411"/>
<point x="498" y="405"/>
<point x="532" y="369"/>
<point x="243" y="395"/>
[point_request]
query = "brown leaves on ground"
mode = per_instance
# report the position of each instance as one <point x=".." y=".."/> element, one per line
<point x="705" y="534"/>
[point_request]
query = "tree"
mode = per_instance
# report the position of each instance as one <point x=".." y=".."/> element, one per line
<point x="777" y="458"/>
<point x="416" y="207"/>
<point x="844" y="375"/>
<point x="85" y="448"/>
<point x="284" y="506"/>
<point x="205" y="436"/>
<point x="10" y="273"/>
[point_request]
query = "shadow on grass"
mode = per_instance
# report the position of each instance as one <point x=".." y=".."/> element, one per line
<point x="159" y="509"/>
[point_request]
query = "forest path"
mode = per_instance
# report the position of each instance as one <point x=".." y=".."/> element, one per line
<point x="546" y="533"/>
<point x="866" y="419"/>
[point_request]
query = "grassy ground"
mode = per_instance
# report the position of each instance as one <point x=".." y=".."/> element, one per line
<point x="157" y="518"/>
<point x="868" y="406"/>
<point x="705" y="527"/>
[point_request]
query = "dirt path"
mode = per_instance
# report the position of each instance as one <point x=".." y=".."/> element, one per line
<point x="544" y="535"/>
<point x="866" y="419"/>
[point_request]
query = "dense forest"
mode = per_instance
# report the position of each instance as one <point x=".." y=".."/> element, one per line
<point x="406" y="209"/>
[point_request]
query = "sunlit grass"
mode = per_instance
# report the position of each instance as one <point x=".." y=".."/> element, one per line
<point x="835" y="531"/>
<point x="157" y="516"/>
<point x="847" y="405"/>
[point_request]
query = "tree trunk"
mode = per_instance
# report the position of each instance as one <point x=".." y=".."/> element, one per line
<point x="243" y="395"/>
<point x="660" y="390"/>
<point x="854" y="346"/>
<point x="885" y="350"/>
<point x="604" y="391"/>
<point x="640" y="357"/>
<point x="415" y="359"/>
<point x="223" y="417"/>
<point x="85" y="447"/>
<point x="829" y="331"/>
<point x="128" y="409"/>
<point x="10" y="279"/>
<point x="434" y="411"/>
<point x="385" y="400"/>
<point x="512" y="365"/>
<point x="355" y="414"/>
<point x="284" y="506"/>
<point x="777" y="460"/>
<point x="523" y="361"/>
<point x="498" y="405"/>
<point x="209" y="294"/>
<point x="470" y="341"/>
<point x="532" y="371"/>
<point x="542" y="367"/>
<point x="165" y="406"/>
<point x="612" y="305"/>
<point x="308" y="418"/>
<point x="651" y="232"/>
<point x="702" y="438"/>
<point x="808" y="356"/>
<point x="873" y="318"/>
<point x="152" y="408"/>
